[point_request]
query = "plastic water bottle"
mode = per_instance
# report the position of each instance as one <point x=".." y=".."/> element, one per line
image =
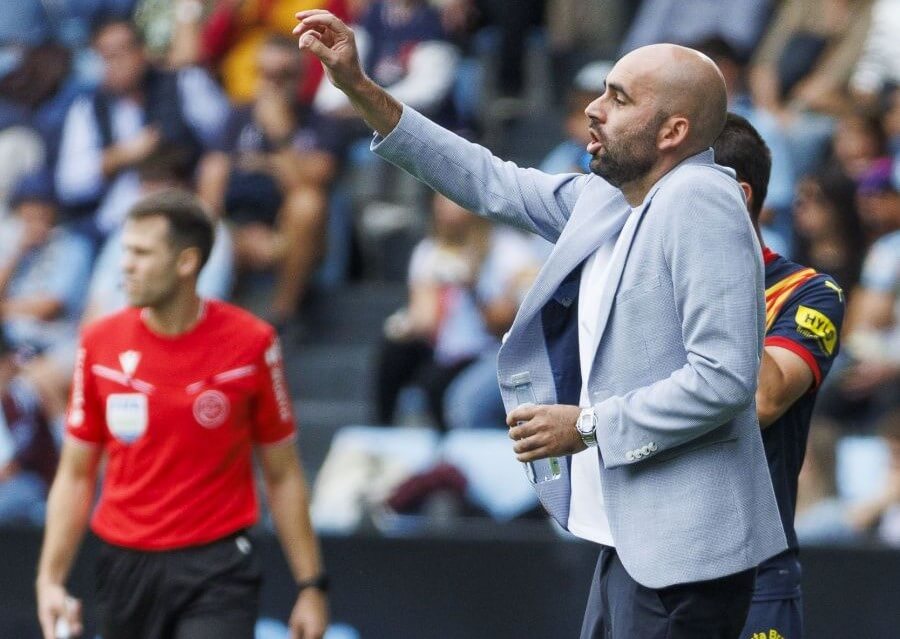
<point x="541" y="470"/>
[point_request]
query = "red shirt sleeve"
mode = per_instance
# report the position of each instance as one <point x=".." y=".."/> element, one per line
<point x="273" y="417"/>
<point x="85" y="420"/>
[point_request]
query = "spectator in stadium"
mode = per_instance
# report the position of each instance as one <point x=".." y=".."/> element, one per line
<point x="802" y="67"/>
<point x="868" y="386"/>
<point x="669" y="400"/>
<point x="45" y="61"/>
<point x="234" y="31"/>
<point x="804" y="313"/>
<point x="465" y="284"/>
<point x="179" y="419"/>
<point x="28" y="454"/>
<point x="858" y="141"/>
<point x="44" y="270"/>
<point x="137" y="108"/>
<point x="878" y="200"/>
<point x="270" y="179"/>
<point x="829" y="235"/>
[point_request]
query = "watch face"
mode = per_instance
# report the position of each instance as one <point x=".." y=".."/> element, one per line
<point x="586" y="424"/>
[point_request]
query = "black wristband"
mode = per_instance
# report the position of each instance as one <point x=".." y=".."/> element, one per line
<point x="319" y="582"/>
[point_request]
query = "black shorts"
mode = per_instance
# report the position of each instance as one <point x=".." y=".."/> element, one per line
<point x="202" y="592"/>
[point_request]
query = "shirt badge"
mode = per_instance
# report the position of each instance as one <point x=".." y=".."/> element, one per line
<point x="129" y="361"/>
<point x="211" y="408"/>
<point x="126" y="416"/>
<point x="815" y="325"/>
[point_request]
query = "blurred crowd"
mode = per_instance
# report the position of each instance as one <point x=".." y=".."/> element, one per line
<point x="103" y="101"/>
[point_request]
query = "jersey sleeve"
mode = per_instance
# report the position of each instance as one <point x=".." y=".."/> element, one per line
<point x="273" y="418"/>
<point x="85" y="420"/>
<point x="809" y="325"/>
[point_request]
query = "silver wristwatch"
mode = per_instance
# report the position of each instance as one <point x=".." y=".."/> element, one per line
<point x="587" y="427"/>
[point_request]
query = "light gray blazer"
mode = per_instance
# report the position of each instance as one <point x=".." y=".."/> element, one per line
<point x="684" y="476"/>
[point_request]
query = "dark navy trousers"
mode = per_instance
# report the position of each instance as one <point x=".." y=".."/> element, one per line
<point x="620" y="608"/>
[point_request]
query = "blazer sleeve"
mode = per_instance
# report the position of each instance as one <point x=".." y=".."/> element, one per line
<point x="715" y="265"/>
<point x="474" y="178"/>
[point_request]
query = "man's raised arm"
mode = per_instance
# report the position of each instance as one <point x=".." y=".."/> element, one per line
<point x="467" y="173"/>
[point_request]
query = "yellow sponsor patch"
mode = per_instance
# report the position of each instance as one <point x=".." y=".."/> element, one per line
<point x="811" y="323"/>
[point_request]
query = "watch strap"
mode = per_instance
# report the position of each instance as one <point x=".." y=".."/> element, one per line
<point x="319" y="582"/>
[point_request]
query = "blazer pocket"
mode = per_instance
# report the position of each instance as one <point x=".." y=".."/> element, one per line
<point x="691" y="446"/>
<point x="645" y="286"/>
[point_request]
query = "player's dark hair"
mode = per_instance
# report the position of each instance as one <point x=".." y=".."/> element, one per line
<point x="169" y="163"/>
<point x="189" y="225"/>
<point x="741" y="148"/>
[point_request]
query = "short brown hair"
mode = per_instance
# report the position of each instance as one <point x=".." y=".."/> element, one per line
<point x="189" y="225"/>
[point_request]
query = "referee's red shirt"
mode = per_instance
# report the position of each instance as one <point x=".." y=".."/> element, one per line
<point x="178" y="418"/>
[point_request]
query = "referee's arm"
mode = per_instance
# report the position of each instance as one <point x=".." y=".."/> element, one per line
<point x="289" y="503"/>
<point x="68" y="510"/>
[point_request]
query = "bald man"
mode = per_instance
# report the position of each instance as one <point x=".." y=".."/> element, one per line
<point x="641" y="336"/>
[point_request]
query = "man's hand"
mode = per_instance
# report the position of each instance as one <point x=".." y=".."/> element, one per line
<point x="309" y="618"/>
<point x="142" y="145"/>
<point x="332" y="41"/>
<point x="125" y="155"/>
<point x="55" y="603"/>
<point x="544" y="431"/>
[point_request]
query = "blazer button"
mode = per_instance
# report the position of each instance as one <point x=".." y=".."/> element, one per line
<point x="652" y="446"/>
<point x="629" y="456"/>
<point x="645" y="450"/>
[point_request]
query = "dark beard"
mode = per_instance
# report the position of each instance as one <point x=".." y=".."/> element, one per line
<point x="632" y="158"/>
<point x="623" y="167"/>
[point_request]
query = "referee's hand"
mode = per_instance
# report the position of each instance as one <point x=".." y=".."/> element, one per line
<point x="309" y="618"/>
<point x="59" y="614"/>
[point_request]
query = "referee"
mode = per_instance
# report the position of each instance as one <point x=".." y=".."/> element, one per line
<point x="804" y="312"/>
<point x="177" y="393"/>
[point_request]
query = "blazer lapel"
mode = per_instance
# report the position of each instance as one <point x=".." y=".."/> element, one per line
<point x="589" y="227"/>
<point x="616" y="268"/>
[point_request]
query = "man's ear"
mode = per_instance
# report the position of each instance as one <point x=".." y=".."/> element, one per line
<point x="748" y="193"/>
<point x="188" y="261"/>
<point x="673" y="133"/>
